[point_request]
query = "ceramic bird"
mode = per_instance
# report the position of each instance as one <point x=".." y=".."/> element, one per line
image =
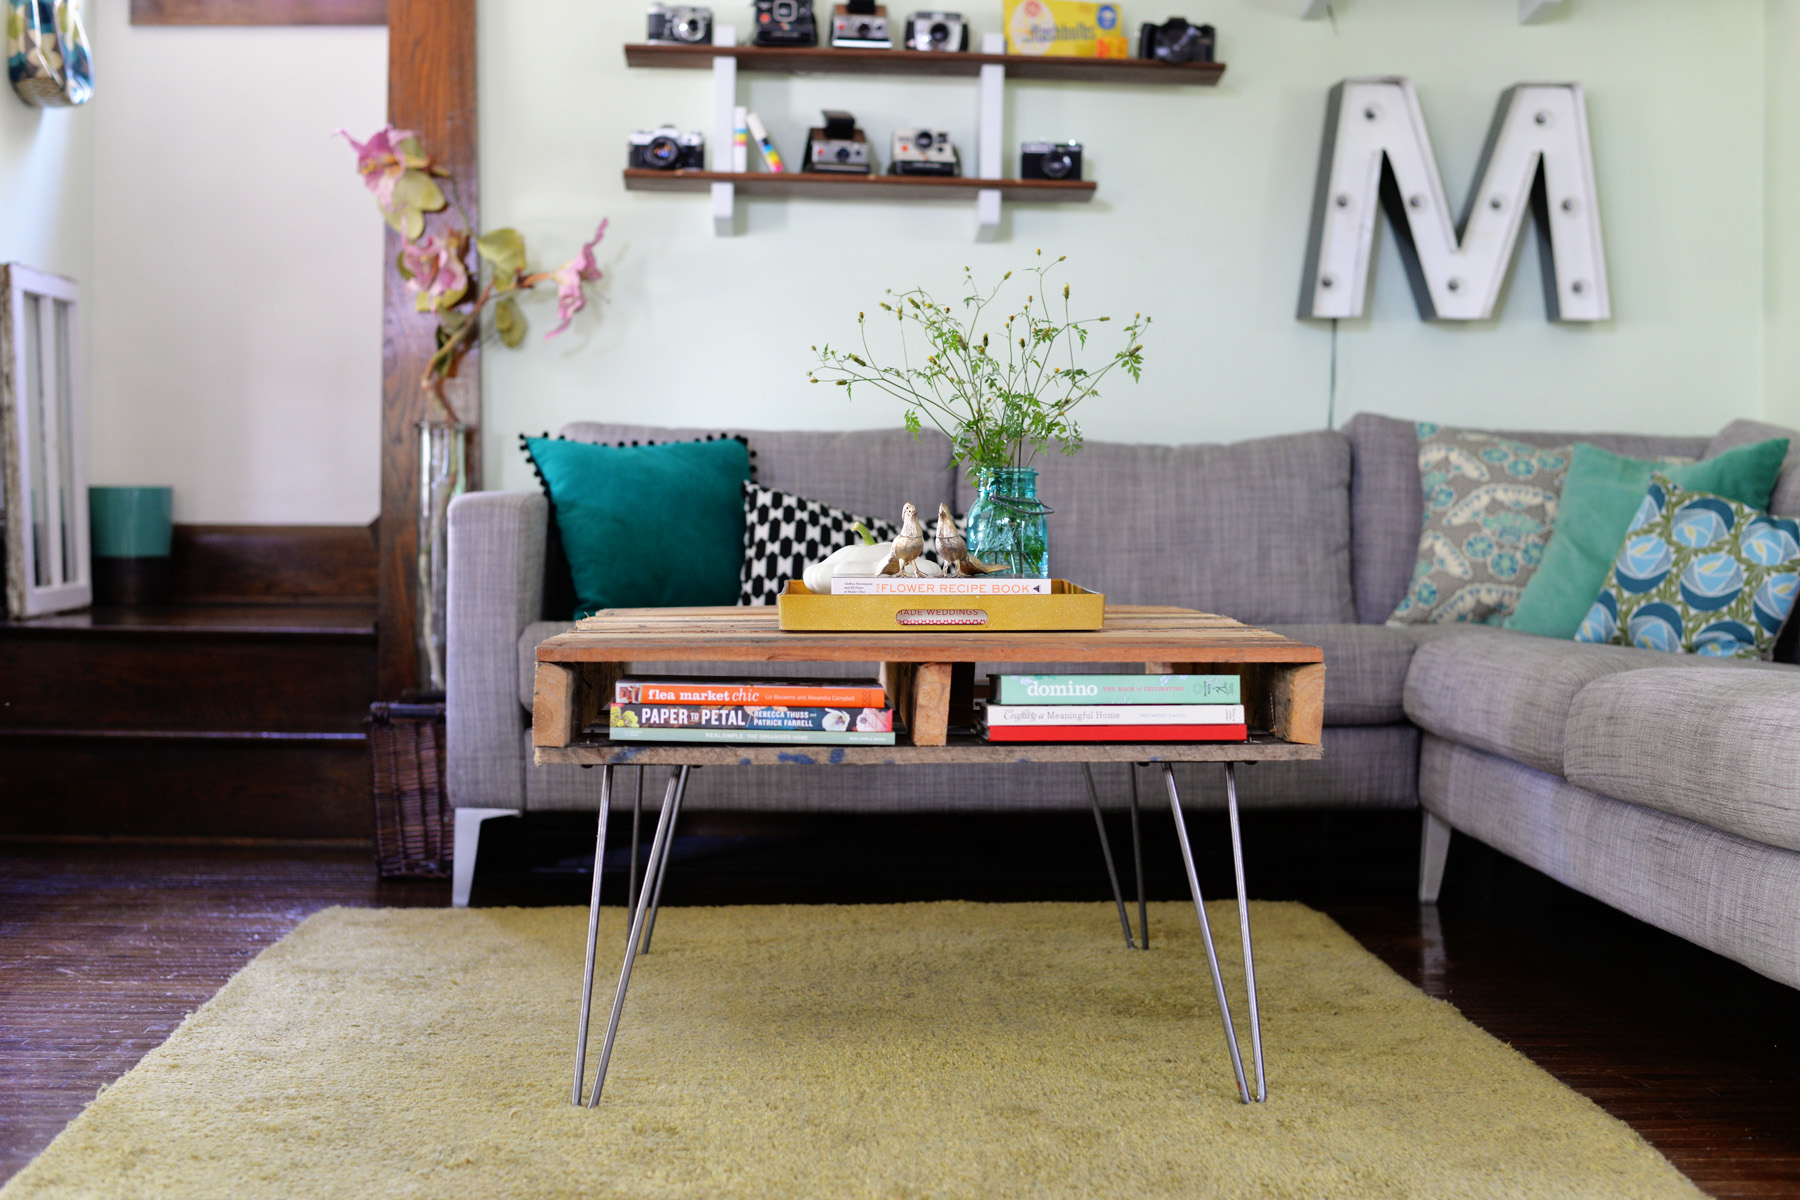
<point x="907" y="546"/>
<point x="953" y="549"/>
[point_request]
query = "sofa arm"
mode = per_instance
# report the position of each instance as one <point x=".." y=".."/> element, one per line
<point x="496" y="589"/>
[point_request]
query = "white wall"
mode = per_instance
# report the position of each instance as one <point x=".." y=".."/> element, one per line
<point x="46" y="187"/>
<point x="1200" y="220"/>
<point x="1781" y="214"/>
<point x="236" y="310"/>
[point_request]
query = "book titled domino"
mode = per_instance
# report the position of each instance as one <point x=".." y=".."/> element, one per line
<point x="751" y="717"/>
<point x="1114" y="714"/>
<point x="1114" y="689"/>
<point x="889" y="585"/>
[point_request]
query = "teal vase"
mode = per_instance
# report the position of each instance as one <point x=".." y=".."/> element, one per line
<point x="1009" y="524"/>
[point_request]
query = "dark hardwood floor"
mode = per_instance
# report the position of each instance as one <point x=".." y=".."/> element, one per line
<point x="103" y="948"/>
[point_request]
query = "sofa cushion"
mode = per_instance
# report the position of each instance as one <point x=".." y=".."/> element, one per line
<point x="1365" y="670"/>
<point x="1387" y="506"/>
<point x="865" y="470"/>
<point x="1258" y="530"/>
<point x="1717" y="747"/>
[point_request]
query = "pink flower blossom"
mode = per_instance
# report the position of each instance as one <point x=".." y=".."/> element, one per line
<point x="437" y="269"/>
<point x="570" y="277"/>
<point x="379" y="161"/>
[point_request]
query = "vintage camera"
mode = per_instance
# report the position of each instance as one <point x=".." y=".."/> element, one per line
<point x="936" y="31"/>
<point x="921" y="151"/>
<point x="785" y="23"/>
<point x="838" y="148"/>
<point x="683" y="24"/>
<point x="1175" y="41"/>
<point x="861" y="25"/>
<point x="665" y="149"/>
<point x="1050" y="160"/>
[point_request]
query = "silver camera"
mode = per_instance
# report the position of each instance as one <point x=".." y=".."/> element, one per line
<point x="921" y="151"/>
<point x="838" y="147"/>
<point x="937" y="31"/>
<point x="861" y="25"/>
<point x="682" y="24"/>
<point x="665" y="149"/>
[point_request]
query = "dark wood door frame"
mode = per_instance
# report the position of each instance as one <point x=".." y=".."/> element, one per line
<point x="431" y="89"/>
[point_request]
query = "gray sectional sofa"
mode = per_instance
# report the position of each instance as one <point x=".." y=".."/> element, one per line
<point x="1668" y="786"/>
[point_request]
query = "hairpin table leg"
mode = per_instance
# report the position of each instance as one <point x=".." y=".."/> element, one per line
<point x="653" y="879"/>
<point x="1106" y="849"/>
<point x="1237" y="862"/>
<point x="593" y="934"/>
<point x="1137" y="863"/>
<point x="659" y="845"/>
<point x="637" y="819"/>
<point x="1212" y="957"/>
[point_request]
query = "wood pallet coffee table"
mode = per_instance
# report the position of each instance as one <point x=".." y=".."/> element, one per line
<point x="927" y="673"/>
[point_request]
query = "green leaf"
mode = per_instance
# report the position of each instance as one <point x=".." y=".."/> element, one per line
<point x="509" y="323"/>
<point x="505" y="248"/>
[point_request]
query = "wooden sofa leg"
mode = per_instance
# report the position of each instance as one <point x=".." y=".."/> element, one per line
<point x="468" y="840"/>
<point x="1434" y="848"/>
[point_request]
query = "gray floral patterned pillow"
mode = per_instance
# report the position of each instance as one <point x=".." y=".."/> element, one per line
<point x="1489" y="505"/>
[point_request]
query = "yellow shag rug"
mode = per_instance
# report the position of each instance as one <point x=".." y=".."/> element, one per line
<point x="916" y="1050"/>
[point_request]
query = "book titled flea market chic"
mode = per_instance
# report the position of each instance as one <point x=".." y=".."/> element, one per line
<point x="747" y="716"/>
<point x="1114" y="689"/>
<point x="837" y="693"/>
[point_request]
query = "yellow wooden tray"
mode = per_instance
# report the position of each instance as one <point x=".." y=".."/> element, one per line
<point x="1066" y="607"/>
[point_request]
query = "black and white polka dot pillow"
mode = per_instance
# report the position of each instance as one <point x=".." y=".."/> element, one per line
<point x="784" y="534"/>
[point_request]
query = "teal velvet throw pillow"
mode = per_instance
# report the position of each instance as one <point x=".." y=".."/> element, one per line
<point x="648" y="526"/>
<point x="1600" y="497"/>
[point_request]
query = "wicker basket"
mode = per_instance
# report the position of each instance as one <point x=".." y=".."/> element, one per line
<point x="414" y="823"/>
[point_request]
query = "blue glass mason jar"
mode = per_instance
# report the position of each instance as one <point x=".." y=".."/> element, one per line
<point x="1008" y="523"/>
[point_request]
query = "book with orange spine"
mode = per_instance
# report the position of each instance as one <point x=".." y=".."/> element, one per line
<point x="832" y="693"/>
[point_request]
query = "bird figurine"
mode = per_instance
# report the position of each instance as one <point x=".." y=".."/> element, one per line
<point x="953" y="548"/>
<point x="909" y="544"/>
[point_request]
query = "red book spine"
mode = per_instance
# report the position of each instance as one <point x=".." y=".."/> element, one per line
<point x="1117" y="733"/>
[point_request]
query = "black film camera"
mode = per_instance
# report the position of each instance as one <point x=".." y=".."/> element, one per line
<point x="1050" y="160"/>
<point x="923" y="151"/>
<point x="861" y="25"/>
<point x="665" y="149"/>
<point x="838" y="148"/>
<point x="785" y="23"/>
<point x="937" y="31"/>
<point x="683" y="24"/>
<point x="1176" y="41"/>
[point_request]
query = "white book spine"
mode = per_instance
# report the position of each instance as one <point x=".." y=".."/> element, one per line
<point x="1115" y="714"/>
<point x="888" y="585"/>
<point x="740" y="140"/>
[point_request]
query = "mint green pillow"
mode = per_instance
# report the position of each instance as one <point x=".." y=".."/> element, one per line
<point x="1600" y="497"/>
<point x="647" y="526"/>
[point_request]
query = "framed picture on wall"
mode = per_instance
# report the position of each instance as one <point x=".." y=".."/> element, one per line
<point x="43" y="450"/>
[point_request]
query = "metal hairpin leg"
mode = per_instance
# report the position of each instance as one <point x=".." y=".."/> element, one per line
<point x="1237" y="862"/>
<point x="659" y="845"/>
<point x="637" y="818"/>
<point x="1137" y="862"/>
<point x="1106" y="849"/>
<point x="1212" y="957"/>
<point x="653" y="878"/>
<point x="593" y="934"/>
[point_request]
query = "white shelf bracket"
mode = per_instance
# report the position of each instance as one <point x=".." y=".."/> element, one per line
<point x="724" y="195"/>
<point x="990" y="104"/>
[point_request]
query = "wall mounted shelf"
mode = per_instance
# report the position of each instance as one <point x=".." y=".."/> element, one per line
<point x="831" y="60"/>
<point x="877" y="187"/>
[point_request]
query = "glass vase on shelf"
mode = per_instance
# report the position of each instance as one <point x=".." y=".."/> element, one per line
<point x="1008" y="524"/>
<point x="443" y="476"/>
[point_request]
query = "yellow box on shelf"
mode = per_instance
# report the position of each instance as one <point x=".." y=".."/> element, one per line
<point x="1065" y="29"/>
<point x="1066" y="607"/>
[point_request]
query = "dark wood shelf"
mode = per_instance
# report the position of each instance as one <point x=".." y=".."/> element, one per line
<point x="872" y="187"/>
<point x="831" y="60"/>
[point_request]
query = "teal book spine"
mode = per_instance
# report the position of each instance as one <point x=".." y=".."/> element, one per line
<point x="1115" y="689"/>
<point x="755" y="737"/>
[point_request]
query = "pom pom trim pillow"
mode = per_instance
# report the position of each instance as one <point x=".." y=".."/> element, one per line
<point x="1489" y="506"/>
<point x="784" y="534"/>
<point x="1698" y="574"/>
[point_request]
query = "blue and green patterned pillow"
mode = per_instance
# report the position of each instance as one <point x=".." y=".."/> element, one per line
<point x="1698" y="574"/>
<point x="1489" y="505"/>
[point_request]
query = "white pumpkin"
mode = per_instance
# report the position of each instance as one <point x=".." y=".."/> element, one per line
<point x="857" y="559"/>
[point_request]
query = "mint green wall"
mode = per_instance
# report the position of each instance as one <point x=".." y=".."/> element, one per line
<point x="1781" y="214"/>
<point x="1200" y="220"/>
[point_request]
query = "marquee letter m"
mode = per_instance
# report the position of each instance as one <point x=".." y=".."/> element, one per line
<point x="1537" y="155"/>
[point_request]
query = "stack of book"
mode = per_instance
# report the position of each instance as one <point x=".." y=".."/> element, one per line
<point x="784" y="712"/>
<point x="1113" y="708"/>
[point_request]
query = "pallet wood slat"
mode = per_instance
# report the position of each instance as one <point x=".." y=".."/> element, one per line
<point x="598" y="751"/>
<point x="928" y="721"/>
